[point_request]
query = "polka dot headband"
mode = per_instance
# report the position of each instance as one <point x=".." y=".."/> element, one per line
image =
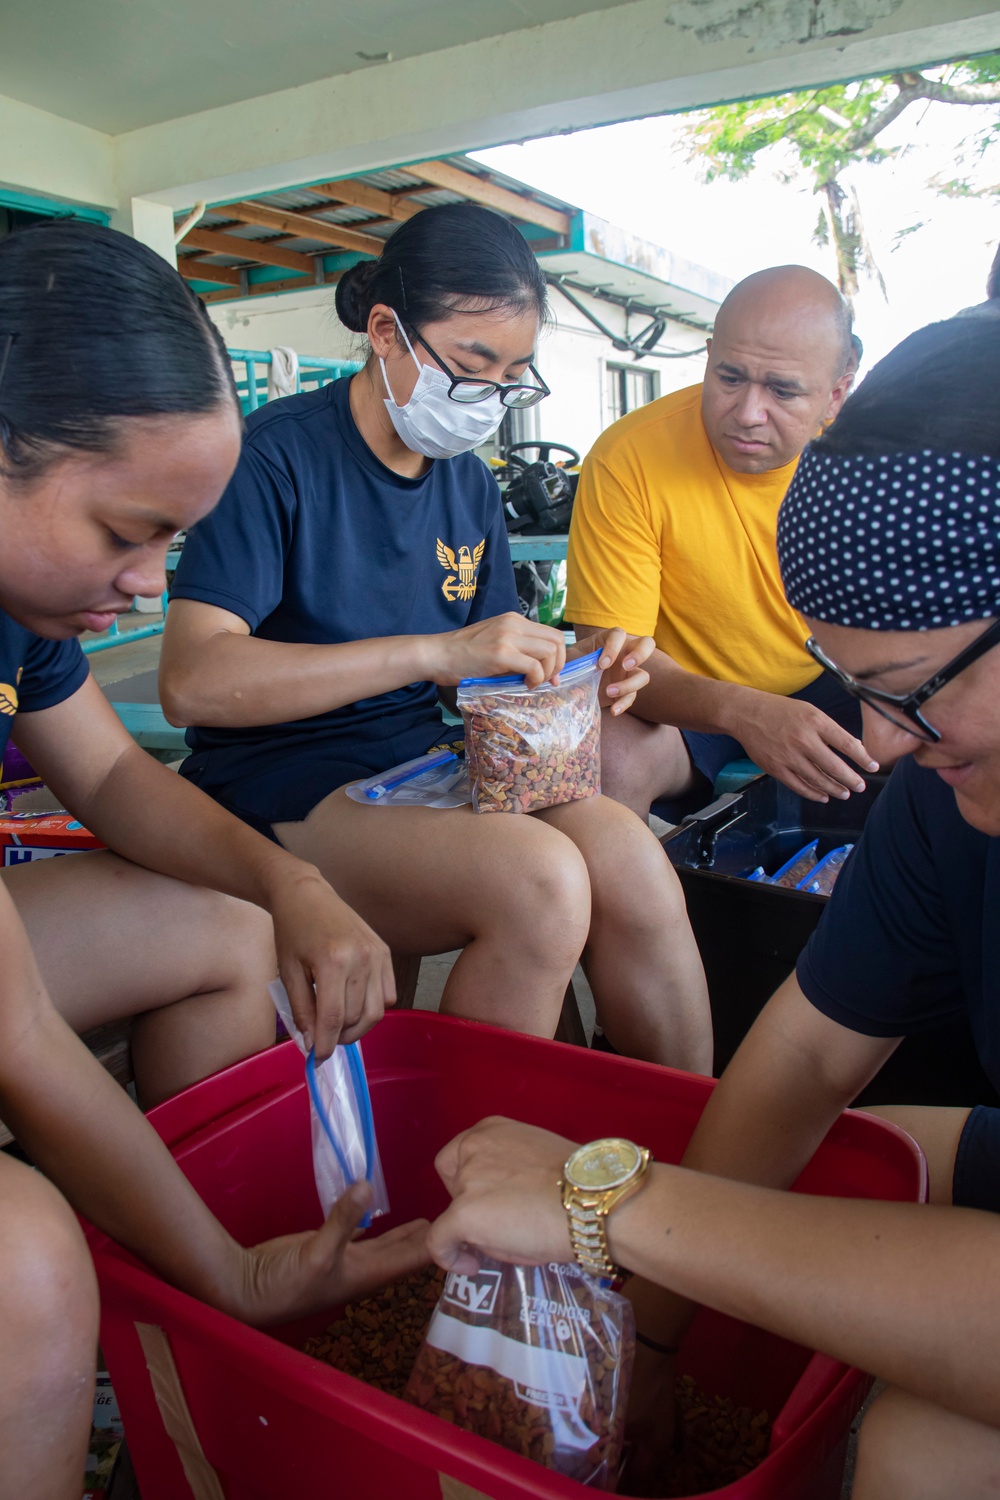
<point x="898" y="541"/>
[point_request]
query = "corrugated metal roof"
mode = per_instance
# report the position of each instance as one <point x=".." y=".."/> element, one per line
<point x="624" y="274"/>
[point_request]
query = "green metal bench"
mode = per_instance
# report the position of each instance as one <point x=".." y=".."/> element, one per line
<point x="147" y="725"/>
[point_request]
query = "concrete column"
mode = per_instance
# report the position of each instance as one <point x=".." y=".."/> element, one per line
<point x="152" y="223"/>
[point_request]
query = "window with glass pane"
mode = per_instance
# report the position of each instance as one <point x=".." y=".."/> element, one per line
<point x="628" y="389"/>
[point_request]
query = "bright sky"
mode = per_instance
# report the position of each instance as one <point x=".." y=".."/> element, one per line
<point x="636" y="176"/>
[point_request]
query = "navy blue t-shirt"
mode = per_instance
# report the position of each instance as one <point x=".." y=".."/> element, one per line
<point x="34" y="673"/>
<point x="316" y="541"/>
<point x="911" y="936"/>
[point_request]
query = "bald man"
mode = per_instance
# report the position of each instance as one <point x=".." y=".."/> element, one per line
<point x="673" y="536"/>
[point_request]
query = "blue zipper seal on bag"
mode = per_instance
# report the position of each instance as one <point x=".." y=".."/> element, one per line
<point x="362" y="1099"/>
<point x="569" y="670"/>
<point x="429" y="763"/>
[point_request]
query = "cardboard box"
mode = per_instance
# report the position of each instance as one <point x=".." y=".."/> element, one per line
<point x="28" y="836"/>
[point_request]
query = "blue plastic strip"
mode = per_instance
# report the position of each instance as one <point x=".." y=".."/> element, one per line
<point x="363" y="1101"/>
<point x="373" y="793"/>
<point x="569" y="670"/>
<point x="321" y="1112"/>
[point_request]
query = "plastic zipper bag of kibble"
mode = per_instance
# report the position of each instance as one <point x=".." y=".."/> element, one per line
<point x="343" y="1129"/>
<point x="537" y="1358"/>
<point x="533" y="747"/>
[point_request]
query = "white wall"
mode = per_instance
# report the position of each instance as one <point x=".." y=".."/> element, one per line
<point x="572" y="354"/>
<point x="633" y="60"/>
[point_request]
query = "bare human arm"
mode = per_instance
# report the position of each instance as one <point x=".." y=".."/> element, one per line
<point x="214" y="673"/>
<point x="901" y="1290"/>
<point x="337" y="971"/>
<point x="87" y="1136"/>
<point x="614" y="573"/>
<point x="794" y="741"/>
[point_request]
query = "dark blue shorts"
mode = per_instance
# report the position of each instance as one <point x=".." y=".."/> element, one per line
<point x="976" y="1183"/>
<point x="710" y="752"/>
<point x="282" y="780"/>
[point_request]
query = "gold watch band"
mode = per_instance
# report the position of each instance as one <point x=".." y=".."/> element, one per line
<point x="587" y="1209"/>
<point x="587" y="1232"/>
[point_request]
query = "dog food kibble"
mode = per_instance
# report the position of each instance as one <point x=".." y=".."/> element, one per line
<point x="579" y="1436"/>
<point x="534" y="748"/>
<point x="717" y="1442"/>
<point x="377" y="1338"/>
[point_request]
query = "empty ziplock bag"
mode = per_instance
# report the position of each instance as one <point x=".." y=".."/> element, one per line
<point x="343" y="1131"/>
<point x="438" y="779"/>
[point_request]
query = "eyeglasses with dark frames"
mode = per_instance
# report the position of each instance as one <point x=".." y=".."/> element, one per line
<point x="469" y="391"/>
<point x="904" y="709"/>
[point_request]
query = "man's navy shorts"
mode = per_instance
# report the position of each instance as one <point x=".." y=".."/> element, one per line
<point x="710" y="752"/>
<point x="976" y="1183"/>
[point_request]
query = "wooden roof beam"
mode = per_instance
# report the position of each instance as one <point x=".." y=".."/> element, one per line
<point x="199" y="270"/>
<point x="387" y="205"/>
<point x="266" y="288"/>
<point x="262" y="252"/>
<point x="443" y="174"/>
<point x="303" y="225"/>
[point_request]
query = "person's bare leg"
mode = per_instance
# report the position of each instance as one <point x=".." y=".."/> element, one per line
<point x="910" y="1449"/>
<point x="510" y="892"/>
<point x="642" y="960"/>
<point x="48" y="1338"/>
<point x="937" y="1130"/>
<point x="640" y="762"/>
<point x="113" y="940"/>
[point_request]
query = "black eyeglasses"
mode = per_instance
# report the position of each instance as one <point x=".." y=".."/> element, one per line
<point x="470" y="391"/>
<point x="903" y="709"/>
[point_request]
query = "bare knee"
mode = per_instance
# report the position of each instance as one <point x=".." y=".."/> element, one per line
<point x="48" y="1291"/>
<point x="248" y="935"/>
<point x="545" y="901"/>
<point x="640" y="762"/>
<point x="910" y="1449"/>
<point x="638" y="864"/>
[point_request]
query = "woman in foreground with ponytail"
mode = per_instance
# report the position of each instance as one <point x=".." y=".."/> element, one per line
<point x="119" y="425"/>
<point x="317" y="616"/>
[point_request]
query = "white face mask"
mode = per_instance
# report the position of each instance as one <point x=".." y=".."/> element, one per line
<point x="431" y="423"/>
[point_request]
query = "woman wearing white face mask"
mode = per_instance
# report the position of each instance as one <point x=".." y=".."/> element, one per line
<point x="357" y="565"/>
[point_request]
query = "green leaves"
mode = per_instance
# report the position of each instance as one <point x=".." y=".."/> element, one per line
<point x="831" y="128"/>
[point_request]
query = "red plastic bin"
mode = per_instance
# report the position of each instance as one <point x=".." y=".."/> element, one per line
<point x="274" y="1423"/>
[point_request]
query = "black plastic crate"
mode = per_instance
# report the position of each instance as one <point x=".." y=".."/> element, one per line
<point x="751" y="934"/>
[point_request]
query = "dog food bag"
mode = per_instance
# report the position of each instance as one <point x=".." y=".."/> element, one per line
<point x="795" y="870"/>
<point x="823" y="877"/>
<point x="537" y="1358"/>
<point x="528" y="748"/>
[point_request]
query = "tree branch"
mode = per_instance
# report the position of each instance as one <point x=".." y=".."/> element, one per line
<point x="908" y="93"/>
<point x="914" y="86"/>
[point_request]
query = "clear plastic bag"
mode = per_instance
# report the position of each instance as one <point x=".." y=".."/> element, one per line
<point x="437" y="779"/>
<point x="528" y="748"/>
<point x="343" y="1130"/>
<point x="539" y="1359"/>
<point x="823" y="877"/>
<point x="797" y="868"/>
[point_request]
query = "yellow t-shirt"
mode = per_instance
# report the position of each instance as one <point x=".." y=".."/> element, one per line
<point x="668" y="541"/>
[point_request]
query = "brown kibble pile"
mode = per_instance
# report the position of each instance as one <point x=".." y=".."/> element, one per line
<point x="377" y="1338"/>
<point x="533" y="749"/>
<point x="479" y="1400"/>
<point x="718" y="1442"/>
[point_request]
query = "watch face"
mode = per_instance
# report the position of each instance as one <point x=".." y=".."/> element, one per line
<point x="603" y="1164"/>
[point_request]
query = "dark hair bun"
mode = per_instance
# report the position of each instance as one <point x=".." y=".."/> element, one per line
<point x="353" y="297"/>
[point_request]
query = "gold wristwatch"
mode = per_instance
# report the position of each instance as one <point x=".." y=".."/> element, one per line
<point x="596" y="1179"/>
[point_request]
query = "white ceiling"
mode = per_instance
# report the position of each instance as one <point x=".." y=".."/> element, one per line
<point x="117" y="65"/>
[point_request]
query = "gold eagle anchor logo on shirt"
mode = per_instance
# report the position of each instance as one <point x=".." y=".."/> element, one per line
<point x="462" y="586"/>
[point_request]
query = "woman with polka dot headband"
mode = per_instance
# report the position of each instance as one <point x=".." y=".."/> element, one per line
<point x="889" y="541"/>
